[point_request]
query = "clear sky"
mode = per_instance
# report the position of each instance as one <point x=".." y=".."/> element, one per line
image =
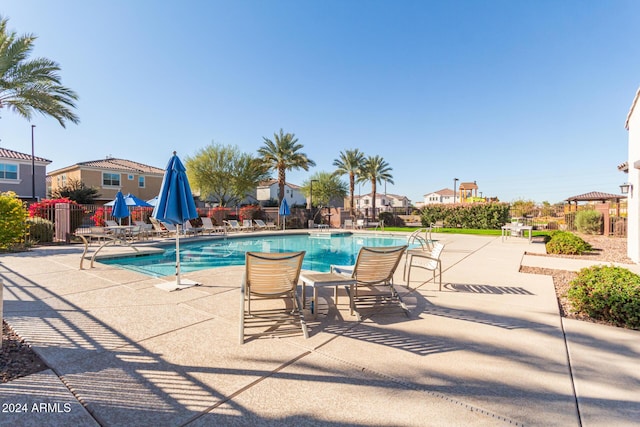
<point x="528" y="98"/>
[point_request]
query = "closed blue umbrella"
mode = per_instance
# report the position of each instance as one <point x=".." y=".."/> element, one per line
<point x="120" y="209"/>
<point x="284" y="212"/>
<point x="175" y="205"/>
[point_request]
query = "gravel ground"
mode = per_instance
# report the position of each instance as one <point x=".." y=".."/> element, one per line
<point x="18" y="359"/>
<point x="609" y="249"/>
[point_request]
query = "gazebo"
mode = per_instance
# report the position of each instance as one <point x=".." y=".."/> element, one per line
<point x="602" y="202"/>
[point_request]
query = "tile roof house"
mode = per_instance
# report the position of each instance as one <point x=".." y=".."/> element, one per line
<point x="439" y="197"/>
<point x="17" y="174"/>
<point x="110" y="175"/>
<point x="268" y="190"/>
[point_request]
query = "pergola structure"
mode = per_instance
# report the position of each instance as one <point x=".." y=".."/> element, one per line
<point x="602" y="202"/>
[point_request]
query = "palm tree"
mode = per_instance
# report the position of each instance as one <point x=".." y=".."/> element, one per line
<point x="349" y="163"/>
<point x="28" y="86"/>
<point x="282" y="154"/>
<point x="375" y="170"/>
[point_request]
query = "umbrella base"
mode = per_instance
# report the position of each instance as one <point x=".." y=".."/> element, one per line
<point x="173" y="286"/>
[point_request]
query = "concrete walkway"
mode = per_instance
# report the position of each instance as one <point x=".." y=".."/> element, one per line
<point x="489" y="349"/>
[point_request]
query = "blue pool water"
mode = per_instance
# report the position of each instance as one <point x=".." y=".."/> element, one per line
<point x="322" y="250"/>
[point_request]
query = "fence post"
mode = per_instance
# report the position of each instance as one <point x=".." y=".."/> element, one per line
<point x="63" y="222"/>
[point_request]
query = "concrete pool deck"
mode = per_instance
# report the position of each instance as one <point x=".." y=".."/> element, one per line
<point x="489" y="349"/>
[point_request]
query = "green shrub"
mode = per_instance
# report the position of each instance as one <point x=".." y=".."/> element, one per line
<point x="40" y="230"/>
<point x="566" y="243"/>
<point x="484" y="216"/>
<point x="13" y="215"/>
<point x="607" y="293"/>
<point x="589" y="221"/>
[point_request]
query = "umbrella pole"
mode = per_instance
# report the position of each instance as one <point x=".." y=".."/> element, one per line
<point x="177" y="254"/>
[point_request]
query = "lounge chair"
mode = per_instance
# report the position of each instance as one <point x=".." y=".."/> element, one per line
<point x="360" y="223"/>
<point x="190" y="229"/>
<point x="425" y="259"/>
<point x="208" y="227"/>
<point x="271" y="276"/>
<point x="111" y="223"/>
<point x="261" y="225"/>
<point x="374" y="267"/>
<point x="247" y="225"/>
<point x="232" y="224"/>
<point x="158" y="228"/>
<point x="348" y="223"/>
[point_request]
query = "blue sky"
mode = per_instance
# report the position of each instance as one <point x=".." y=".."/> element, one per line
<point x="529" y="99"/>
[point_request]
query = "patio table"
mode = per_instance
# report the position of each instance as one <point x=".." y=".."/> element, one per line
<point x="316" y="280"/>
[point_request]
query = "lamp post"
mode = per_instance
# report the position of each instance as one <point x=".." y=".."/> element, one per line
<point x="33" y="167"/>
<point x="455" y="180"/>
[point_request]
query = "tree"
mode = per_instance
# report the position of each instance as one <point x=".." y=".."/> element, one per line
<point x="328" y="187"/>
<point x="375" y="170"/>
<point x="225" y="174"/>
<point x="28" y="86"/>
<point x="78" y="192"/>
<point x="350" y="163"/>
<point x="281" y="155"/>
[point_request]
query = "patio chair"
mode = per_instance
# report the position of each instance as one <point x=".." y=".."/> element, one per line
<point x="208" y="227"/>
<point x="111" y="223"/>
<point x="348" y="223"/>
<point x="427" y="260"/>
<point x="360" y="223"/>
<point x="374" y="267"/>
<point x="270" y="276"/>
<point x="247" y="225"/>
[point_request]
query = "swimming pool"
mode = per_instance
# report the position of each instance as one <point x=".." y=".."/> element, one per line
<point x="322" y="250"/>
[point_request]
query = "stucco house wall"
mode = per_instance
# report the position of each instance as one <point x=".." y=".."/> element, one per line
<point x="633" y="201"/>
<point x="22" y="186"/>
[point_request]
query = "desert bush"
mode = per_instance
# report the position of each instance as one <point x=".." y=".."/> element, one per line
<point x="13" y="215"/>
<point x="566" y="243"/>
<point x="607" y="293"/>
<point x="589" y="221"/>
<point x="40" y="230"/>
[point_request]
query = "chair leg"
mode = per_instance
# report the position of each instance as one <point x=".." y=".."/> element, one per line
<point x="242" y="314"/>
<point x="303" y="324"/>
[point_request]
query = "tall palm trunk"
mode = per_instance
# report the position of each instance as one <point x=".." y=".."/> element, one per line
<point x="373" y="202"/>
<point x="352" y="190"/>
<point x="282" y="179"/>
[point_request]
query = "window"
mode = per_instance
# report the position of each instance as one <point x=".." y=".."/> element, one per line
<point x="63" y="178"/>
<point x="8" y="171"/>
<point x="141" y="181"/>
<point x="110" y="179"/>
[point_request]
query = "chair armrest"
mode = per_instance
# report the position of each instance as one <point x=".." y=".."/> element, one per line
<point x="346" y="270"/>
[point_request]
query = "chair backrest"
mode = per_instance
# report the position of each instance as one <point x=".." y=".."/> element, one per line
<point x="438" y="247"/>
<point x="206" y="222"/>
<point x="260" y="223"/>
<point x="168" y="226"/>
<point x="111" y="223"/>
<point x="233" y="223"/>
<point x="272" y="274"/>
<point x="156" y="225"/>
<point x="348" y="223"/>
<point x="377" y="264"/>
<point x="247" y="223"/>
<point x="140" y="223"/>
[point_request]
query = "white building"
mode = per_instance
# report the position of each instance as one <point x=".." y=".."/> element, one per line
<point x="443" y="196"/>
<point x="268" y="190"/>
<point x="384" y="203"/>
<point x="633" y="200"/>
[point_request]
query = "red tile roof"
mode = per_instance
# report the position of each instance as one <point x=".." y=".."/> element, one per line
<point x="121" y="165"/>
<point x="10" y="154"/>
